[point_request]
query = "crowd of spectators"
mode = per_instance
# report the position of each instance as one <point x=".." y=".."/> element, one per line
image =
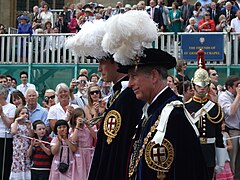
<point x="182" y="16"/>
<point x="81" y="104"/>
<point x="62" y="129"/>
<point x="207" y="16"/>
<point x="38" y="130"/>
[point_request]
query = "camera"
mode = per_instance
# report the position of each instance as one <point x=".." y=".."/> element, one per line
<point x="78" y="81"/>
<point x="27" y="121"/>
<point x="224" y="24"/>
<point x="46" y="99"/>
<point x="63" y="167"/>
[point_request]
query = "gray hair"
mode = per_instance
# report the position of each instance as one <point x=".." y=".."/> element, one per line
<point x="4" y="90"/>
<point x="31" y="89"/>
<point x="221" y="17"/>
<point x="50" y="91"/>
<point x="61" y="86"/>
<point x="192" y="18"/>
<point x="161" y="70"/>
<point x="228" y="3"/>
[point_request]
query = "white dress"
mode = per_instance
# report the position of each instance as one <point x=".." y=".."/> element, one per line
<point x="20" y="169"/>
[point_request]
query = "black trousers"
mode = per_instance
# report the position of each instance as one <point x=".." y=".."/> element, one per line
<point x="210" y="172"/>
<point x="5" y="162"/>
<point x="39" y="175"/>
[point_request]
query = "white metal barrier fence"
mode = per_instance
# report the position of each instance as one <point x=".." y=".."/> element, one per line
<point x="50" y="49"/>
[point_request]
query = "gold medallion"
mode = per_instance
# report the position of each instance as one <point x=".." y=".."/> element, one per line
<point x="159" y="158"/>
<point x="112" y="124"/>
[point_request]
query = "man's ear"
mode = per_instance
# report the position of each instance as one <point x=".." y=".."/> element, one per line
<point x="155" y="76"/>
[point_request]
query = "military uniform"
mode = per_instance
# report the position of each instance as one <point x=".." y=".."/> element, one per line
<point x="207" y="117"/>
<point x="209" y="126"/>
<point x="115" y="135"/>
<point x="179" y="156"/>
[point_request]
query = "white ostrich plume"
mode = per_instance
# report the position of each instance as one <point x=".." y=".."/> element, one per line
<point x="87" y="42"/>
<point x="127" y="34"/>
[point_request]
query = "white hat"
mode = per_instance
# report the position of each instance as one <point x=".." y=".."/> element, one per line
<point x="128" y="6"/>
<point x="220" y="1"/>
<point x="128" y="34"/>
<point x="87" y="42"/>
<point x="88" y="10"/>
<point x="99" y="6"/>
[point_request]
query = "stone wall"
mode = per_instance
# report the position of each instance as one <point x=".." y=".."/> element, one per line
<point x="8" y="11"/>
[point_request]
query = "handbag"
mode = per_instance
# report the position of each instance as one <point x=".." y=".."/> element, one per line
<point x="63" y="167"/>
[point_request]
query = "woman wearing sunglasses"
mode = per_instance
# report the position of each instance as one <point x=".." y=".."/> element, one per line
<point x="49" y="98"/>
<point x="206" y="24"/>
<point x="96" y="106"/>
<point x="181" y="67"/>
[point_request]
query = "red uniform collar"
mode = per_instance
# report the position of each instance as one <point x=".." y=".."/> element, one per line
<point x="200" y="100"/>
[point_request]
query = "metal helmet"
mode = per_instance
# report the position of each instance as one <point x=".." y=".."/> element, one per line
<point x="201" y="77"/>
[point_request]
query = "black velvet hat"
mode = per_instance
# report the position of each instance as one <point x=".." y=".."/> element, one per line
<point x="87" y="6"/>
<point x="150" y="57"/>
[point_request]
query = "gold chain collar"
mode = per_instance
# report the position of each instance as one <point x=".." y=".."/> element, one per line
<point x="152" y="129"/>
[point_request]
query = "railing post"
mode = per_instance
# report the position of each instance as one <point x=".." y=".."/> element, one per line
<point x="228" y="52"/>
<point x="19" y="45"/>
<point x="156" y="42"/>
<point x="8" y="55"/>
<point x="13" y="49"/>
<point x="30" y="52"/>
<point x="2" y="49"/>
<point x="175" y="49"/>
<point x="29" y="72"/>
<point x="235" y="48"/>
<point x="75" y="70"/>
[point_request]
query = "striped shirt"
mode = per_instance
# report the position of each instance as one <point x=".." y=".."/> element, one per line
<point x="39" y="158"/>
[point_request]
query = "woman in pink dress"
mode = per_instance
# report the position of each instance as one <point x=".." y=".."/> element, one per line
<point x="84" y="135"/>
<point x="62" y="149"/>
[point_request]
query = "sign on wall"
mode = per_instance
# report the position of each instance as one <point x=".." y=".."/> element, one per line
<point x="211" y="44"/>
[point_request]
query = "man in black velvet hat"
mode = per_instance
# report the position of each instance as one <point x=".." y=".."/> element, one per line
<point x="166" y="145"/>
<point x="117" y="127"/>
<point x="123" y="111"/>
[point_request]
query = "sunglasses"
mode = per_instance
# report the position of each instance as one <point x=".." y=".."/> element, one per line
<point x="214" y="74"/>
<point x="50" y="97"/>
<point x="207" y="15"/>
<point x="94" y="92"/>
<point x="82" y="81"/>
<point x="185" y="64"/>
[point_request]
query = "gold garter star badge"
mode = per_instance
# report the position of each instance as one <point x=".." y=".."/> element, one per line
<point x="159" y="158"/>
<point x="112" y="124"/>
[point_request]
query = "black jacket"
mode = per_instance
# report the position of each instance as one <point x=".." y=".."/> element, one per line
<point x="110" y="160"/>
<point x="157" y="18"/>
<point x="208" y="129"/>
<point x="188" y="162"/>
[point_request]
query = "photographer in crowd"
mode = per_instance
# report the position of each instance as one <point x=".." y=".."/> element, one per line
<point x="49" y="99"/>
<point x="80" y="98"/>
<point x="223" y="24"/>
<point x="62" y="25"/>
